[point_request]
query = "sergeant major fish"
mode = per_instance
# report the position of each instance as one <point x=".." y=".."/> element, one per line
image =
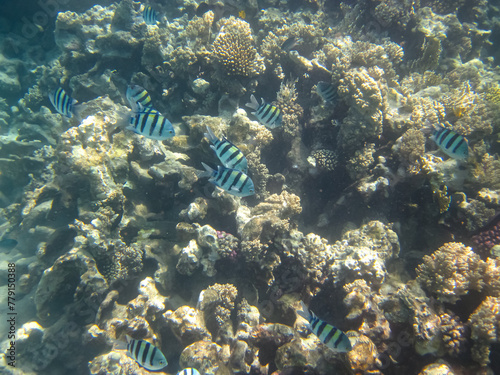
<point x="189" y="371"/>
<point x="231" y="180"/>
<point x="150" y="123"/>
<point x="65" y="104"/>
<point x="327" y="91"/>
<point x="332" y="337"/>
<point x="268" y="114"/>
<point x="451" y="143"/>
<point x="149" y="15"/>
<point x="229" y="155"/>
<point x="138" y="95"/>
<point x="146" y="354"/>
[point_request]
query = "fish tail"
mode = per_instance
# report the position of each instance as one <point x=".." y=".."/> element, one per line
<point x="208" y="172"/>
<point x="304" y="311"/>
<point x="254" y="104"/>
<point x="210" y="135"/>
<point x="120" y="344"/>
<point x="78" y="110"/>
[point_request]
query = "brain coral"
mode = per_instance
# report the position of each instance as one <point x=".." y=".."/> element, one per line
<point x="233" y="49"/>
<point x="451" y="271"/>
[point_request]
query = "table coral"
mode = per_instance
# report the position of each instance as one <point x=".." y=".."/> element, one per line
<point x="233" y="48"/>
<point x="451" y="271"/>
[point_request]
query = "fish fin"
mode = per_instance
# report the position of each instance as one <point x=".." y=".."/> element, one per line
<point x="429" y="128"/>
<point x="120" y="344"/>
<point x="78" y="109"/>
<point x="208" y="172"/>
<point x="210" y="135"/>
<point x="304" y="311"/>
<point x="212" y="147"/>
<point x="254" y="104"/>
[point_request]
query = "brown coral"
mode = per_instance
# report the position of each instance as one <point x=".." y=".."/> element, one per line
<point x="451" y="271"/>
<point x="233" y="49"/>
<point x="485" y="324"/>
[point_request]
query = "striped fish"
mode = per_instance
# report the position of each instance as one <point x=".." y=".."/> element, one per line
<point x="189" y="371"/>
<point x="146" y="354"/>
<point x="138" y="95"/>
<point x="451" y="143"/>
<point x="62" y="102"/>
<point x="332" y="337"/>
<point x="149" y="15"/>
<point x="231" y="180"/>
<point x="150" y="123"/>
<point x="268" y="114"/>
<point x="327" y="91"/>
<point x="229" y="155"/>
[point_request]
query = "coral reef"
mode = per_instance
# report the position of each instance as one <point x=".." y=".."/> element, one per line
<point x="114" y="234"/>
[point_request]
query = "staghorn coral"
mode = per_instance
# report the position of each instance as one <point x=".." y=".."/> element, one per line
<point x="485" y="328"/>
<point x="233" y="49"/>
<point x="451" y="271"/>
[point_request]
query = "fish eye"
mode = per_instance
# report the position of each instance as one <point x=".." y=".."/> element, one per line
<point x="162" y="362"/>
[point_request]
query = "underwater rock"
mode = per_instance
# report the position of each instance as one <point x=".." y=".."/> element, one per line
<point x="61" y="283"/>
<point x="189" y="259"/>
<point x="364" y="355"/>
<point x="187" y="324"/>
<point x="438" y="368"/>
<point x="217" y="303"/>
<point x="205" y="356"/>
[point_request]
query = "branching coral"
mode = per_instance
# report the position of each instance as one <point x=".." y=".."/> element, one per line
<point x="485" y="323"/>
<point x="292" y="111"/>
<point x="451" y="271"/>
<point x="233" y="49"/>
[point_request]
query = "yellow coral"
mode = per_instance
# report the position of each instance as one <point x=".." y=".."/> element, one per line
<point x="233" y="49"/>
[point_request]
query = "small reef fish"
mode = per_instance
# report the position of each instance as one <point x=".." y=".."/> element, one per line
<point x="268" y="114"/>
<point x="332" y="337"/>
<point x="229" y="155"/>
<point x="138" y="95"/>
<point x="327" y="91"/>
<point x="63" y="103"/>
<point x="189" y="371"/>
<point x="290" y="43"/>
<point x="451" y="143"/>
<point x="231" y="180"/>
<point x="150" y="123"/>
<point x="150" y="16"/>
<point x="146" y="354"/>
